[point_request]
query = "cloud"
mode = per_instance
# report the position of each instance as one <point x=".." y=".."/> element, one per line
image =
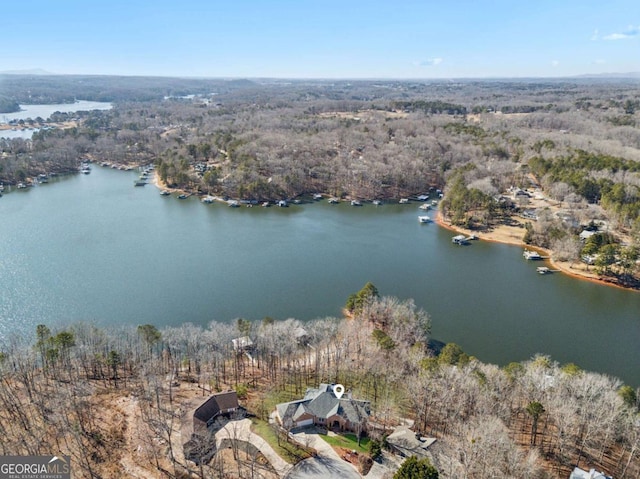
<point x="555" y="63"/>
<point x="429" y="62"/>
<point x="629" y="33"/>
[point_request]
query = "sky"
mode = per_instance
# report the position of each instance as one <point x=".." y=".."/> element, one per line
<point x="322" y="39"/>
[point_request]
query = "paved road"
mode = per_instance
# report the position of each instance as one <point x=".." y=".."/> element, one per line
<point x="241" y="430"/>
<point x="326" y="465"/>
<point x="322" y="467"/>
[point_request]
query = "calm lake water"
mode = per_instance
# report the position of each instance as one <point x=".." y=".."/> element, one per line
<point x="93" y="247"/>
<point x="24" y="134"/>
<point x="44" y="112"/>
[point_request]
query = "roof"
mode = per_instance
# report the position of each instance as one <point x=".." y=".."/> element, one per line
<point x="215" y="405"/>
<point x="592" y="474"/>
<point x="242" y="342"/>
<point x="585" y="234"/>
<point x="406" y="441"/>
<point x="323" y="403"/>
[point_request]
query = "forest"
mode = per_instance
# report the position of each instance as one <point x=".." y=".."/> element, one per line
<point x="111" y="398"/>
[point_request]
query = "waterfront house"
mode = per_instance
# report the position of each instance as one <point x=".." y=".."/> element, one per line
<point x="322" y="407"/>
<point x="243" y="343"/>
<point x="220" y="404"/>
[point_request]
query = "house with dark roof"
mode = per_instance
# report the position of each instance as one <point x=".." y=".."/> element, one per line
<point x="220" y="404"/>
<point x="322" y="407"/>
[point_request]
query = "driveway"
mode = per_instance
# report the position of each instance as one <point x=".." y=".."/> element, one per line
<point x="326" y="464"/>
<point x="241" y="430"/>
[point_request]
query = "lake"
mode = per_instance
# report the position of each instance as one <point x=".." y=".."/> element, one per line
<point x="93" y="247"/>
<point x="44" y="112"/>
<point x="24" y="134"/>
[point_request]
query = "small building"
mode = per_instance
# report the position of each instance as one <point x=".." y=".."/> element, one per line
<point x="301" y="335"/>
<point x="586" y="234"/>
<point x="530" y="215"/>
<point x="406" y="443"/>
<point x="243" y="343"/>
<point x="592" y="474"/>
<point x="220" y="404"/>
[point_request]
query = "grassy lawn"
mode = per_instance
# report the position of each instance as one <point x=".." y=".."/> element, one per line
<point x="290" y="452"/>
<point x="348" y="441"/>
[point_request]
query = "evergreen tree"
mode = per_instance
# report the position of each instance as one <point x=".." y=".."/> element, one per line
<point x="414" y="468"/>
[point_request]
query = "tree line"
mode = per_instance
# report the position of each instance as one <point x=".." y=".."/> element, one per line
<point x="89" y="391"/>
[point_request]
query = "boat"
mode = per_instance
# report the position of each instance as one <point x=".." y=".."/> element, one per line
<point x="183" y="196"/>
<point x="139" y="182"/>
<point x="317" y="196"/>
<point x="377" y="202"/>
<point x="208" y="199"/>
<point x="543" y="270"/>
<point x="459" y="240"/>
<point x="233" y="203"/>
<point x="282" y="204"/>
<point x="424" y="219"/>
<point x="404" y="201"/>
<point x="265" y="204"/>
<point x="21" y="185"/>
<point x="424" y="207"/>
<point x="165" y="193"/>
<point x="355" y="203"/>
<point x="531" y="255"/>
<point x="333" y="201"/>
<point x="85" y="170"/>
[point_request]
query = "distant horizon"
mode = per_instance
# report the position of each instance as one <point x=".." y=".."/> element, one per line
<point x="371" y="39"/>
<point x="604" y="75"/>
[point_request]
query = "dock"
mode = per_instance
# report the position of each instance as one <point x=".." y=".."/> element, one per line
<point x="545" y="270"/>
<point x="532" y="255"/>
<point x="462" y="239"/>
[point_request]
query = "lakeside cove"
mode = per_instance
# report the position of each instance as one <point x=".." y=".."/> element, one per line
<point x="513" y="235"/>
<point x="126" y="255"/>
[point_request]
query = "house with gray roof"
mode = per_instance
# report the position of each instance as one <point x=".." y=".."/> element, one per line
<point x="406" y="443"/>
<point x="322" y="407"/>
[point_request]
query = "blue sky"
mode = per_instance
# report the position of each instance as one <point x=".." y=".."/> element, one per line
<point x="323" y="39"/>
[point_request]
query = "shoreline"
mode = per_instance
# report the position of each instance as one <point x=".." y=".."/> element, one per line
<point x="508" y="235"/>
